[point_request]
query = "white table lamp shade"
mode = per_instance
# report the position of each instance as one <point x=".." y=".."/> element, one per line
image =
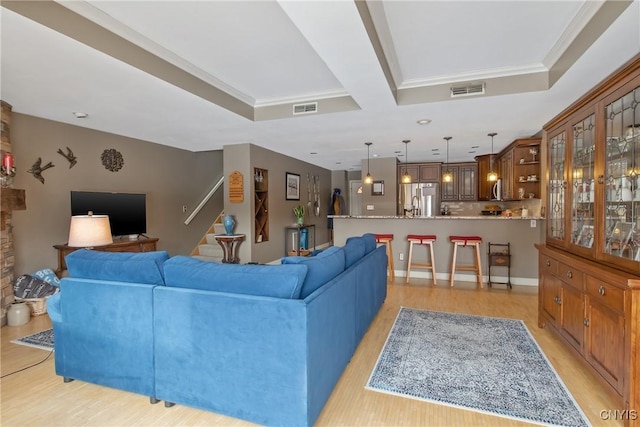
<point x="89" y="230"/>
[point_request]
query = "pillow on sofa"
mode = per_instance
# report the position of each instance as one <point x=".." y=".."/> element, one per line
<point x="369" y="242"/>
<point x="321" y="268"/>
<point x="353" y="250"/>
<point x="133" y="267"/>
<point x="263" y="280"/>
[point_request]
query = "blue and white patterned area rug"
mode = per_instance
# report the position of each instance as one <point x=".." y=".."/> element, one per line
<point x="42" y="340"/>
<point x="485" y="364"/>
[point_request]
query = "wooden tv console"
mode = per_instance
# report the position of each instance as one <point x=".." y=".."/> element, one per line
<point x="141" y="244"/>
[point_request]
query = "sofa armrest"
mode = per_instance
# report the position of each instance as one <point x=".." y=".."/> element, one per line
<point x="53" y="308"/>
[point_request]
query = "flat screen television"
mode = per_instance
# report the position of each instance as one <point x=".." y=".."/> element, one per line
<point x="127" y="212"/>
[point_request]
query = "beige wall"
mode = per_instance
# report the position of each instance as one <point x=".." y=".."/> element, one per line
<point x="245" y="157"/>
<point x="169" y="177"/>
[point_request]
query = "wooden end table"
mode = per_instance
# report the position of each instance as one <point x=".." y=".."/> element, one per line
<point x="230" y="244"/>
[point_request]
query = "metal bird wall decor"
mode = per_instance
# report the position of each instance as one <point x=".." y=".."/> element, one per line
<point x="69" y="156"/>
<point x="37" y="169"/>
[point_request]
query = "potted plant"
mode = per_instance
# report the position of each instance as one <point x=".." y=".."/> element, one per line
<point x="298" y="211"/>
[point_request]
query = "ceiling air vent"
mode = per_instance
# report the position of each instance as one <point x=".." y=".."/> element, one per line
<point x="310" y="107"/>
<point x="467" y="90"/>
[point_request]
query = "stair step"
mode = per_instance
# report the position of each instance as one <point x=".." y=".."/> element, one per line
<point x="211" y="240"/>
<point x="211" y="250"/>
<point x="208" y="259"/>
<point x="218" y="228"/>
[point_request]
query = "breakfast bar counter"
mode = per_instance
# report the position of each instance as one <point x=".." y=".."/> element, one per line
<point x="522" y="232"/>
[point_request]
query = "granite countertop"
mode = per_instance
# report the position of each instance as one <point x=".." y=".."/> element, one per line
<point x="447" y="217"/>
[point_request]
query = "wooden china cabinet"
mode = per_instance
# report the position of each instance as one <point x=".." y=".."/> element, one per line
<point x="589" y="266"/>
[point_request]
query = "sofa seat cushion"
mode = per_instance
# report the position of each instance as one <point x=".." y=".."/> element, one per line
<point x="278" y="281"/>
<point x="133" y="267"/>
<point x="354" y="249"/>
<point x="321" y="268"/>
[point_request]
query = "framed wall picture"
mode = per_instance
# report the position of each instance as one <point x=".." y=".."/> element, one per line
<point x="292" y="186"/>
<point x="377" y="189"/>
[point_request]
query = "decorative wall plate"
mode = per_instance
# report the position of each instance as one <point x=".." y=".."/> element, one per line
<point x="112" y="159"/>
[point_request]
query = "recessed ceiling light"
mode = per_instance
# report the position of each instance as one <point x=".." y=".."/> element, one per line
<point x="397" y="151"/>
<point x="313" y="152"/>
<point x="338" y="163"/>
<point x="436" y="154"/>
<point x="375" y="155"/>
<point x="424" y="121"/>
<point x="475" y="146"/>
<point x="471" y="152"/>
<point x="80" y="115"/>
<point x="435" y="149"/>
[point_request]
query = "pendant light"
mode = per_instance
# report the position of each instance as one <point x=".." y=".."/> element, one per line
<point x="368" y="179"/>
<point x="447" y="176"/>
<point x="406" y="178"/>
<point x="492" y="176"/>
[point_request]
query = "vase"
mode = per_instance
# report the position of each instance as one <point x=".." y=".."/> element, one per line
<point x="229" y="223"/>
<point x="300" y="220"/>
<point x="18" y="314"/>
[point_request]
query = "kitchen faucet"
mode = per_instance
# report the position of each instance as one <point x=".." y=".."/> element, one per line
<point x="415" y="203"/>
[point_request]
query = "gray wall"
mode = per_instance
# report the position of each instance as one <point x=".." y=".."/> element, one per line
<point x="169" y="177"/>
<point x="381" y="169"/>
<point x="245" y="157"/>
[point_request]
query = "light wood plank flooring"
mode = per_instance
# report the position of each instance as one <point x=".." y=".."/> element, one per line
<point x="37" y="397"/>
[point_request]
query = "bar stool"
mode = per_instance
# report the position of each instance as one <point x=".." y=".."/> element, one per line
<point x="422" y="239"/>
<point x="386" y="240"/>
<point x="466" y="241"/>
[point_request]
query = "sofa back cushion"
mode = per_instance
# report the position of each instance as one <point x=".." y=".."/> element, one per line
<point x="278" y="281"/>
<point x="353" y="250"/>
<point x="321" y="268"/>
<point x="133" y="267"/>
<point x="369" y="242"/>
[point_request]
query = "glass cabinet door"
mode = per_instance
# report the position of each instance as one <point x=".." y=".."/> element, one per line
<point x="557" y="185"/>
<point x="582" y="182"/>
<point x="620" y="180"/>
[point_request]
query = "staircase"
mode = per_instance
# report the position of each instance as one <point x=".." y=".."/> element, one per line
<point x="208" y="249"/>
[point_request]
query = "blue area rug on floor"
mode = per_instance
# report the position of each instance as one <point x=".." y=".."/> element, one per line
<point x="486" y="364"/>
<point x="42" y="340"/>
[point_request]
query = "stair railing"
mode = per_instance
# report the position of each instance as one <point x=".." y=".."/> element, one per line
<point x="204" y="201"/>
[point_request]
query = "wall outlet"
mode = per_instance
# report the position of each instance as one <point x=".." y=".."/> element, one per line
<point x="184" y="208"/>
<point x="533" y="223"/>
<point x="401" y="256"/>
<point x="369" y="207"/>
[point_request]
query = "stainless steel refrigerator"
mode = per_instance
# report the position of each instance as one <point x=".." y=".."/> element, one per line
<point x="419" y="199"/>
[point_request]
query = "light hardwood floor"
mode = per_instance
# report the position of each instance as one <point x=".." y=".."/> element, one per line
<point x="37" y="397"/>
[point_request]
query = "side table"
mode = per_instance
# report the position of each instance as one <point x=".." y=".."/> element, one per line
<point x="296" y="249"/>
<point x="230" y="244"/>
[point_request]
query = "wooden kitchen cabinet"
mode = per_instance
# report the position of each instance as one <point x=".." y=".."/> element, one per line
<point x="430" y="172"/>
<point x="413" y="169"/>
<point x="520" y="169"/>
<point x="464" y="185"/>
<point x="484" y="164"/>
<point x="420" y="172"/>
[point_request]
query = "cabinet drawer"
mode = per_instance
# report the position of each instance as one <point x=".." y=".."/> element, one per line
<point x="548" y="265"/>
<point x="571" y="275"/>
<point x="606" y="294"/>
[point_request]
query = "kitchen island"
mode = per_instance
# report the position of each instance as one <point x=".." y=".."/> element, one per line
<point x="516" y="230"/>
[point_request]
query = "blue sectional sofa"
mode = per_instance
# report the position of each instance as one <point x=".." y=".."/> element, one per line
<point x="264" y="343"/>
